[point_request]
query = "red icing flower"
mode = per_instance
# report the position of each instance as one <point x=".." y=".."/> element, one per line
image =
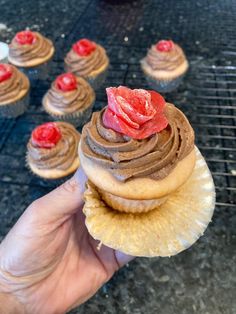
<point x="66" y="82"/>
<point x="25" y="38"/>
<point x="5" y="72"/>
<point x="165" y="45"/>
<point x="136" y="113"/>
<point x="84" y="47"/>
<point x="46" y="135"/>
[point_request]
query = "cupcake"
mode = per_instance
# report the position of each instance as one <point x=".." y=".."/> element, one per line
<point x="164" y="66"/>
<point x="31" y="52"/>
<point x="52" y="150"/>
<point x="89" y="60"/>
<point x="152" y="194"/>
<point x="14" y="91"/>
<point x="70" y="99"/>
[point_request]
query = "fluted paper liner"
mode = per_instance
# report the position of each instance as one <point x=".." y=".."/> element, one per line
<point x="167" y="230"/>
<point x="77" y="118"/>
<point x="130" y="206"/>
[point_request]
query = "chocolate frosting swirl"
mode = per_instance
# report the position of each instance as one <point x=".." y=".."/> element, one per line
<point x="41" y="48"/>
<point x="125" y="158"/>
<point x="167" y="61"/>
<point x="69" y="102"/>
<point x="86" y="65"/>
<point x="60" y="156"/>
<point x="11" y="88"/>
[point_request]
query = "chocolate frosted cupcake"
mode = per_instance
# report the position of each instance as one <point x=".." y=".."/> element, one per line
<point x="14" y="91"/>
<point x="89" y="60"/>
<point x="52" y="150"/>
<point x="152" y="194"/>
<point x="164" y="66"/>
<point x="31" y="52"/>
<point x="70" y="99"/>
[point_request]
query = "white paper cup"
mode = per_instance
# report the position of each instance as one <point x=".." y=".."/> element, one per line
<point x="4" y="50"/>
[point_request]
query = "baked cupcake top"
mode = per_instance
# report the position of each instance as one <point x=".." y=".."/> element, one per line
<point x="30" y="49"/>
<point x="137" y="135"/>
<point x="53" y="145"/>
<point x="164" y="56"/>
<point x="14" y="85"/>
<point x="68" y="94"/>
<point x="86" y="58"/>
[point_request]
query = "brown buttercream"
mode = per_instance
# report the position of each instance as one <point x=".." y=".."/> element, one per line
<point x="68" y="102"/>
<point x="60" y="156"/>
<point x="167" y="61"/>
<point x="12" y="88"/>
<point x="41" y="48"/>
<point x="125" y="158"/>
<point x="86" y="65"/>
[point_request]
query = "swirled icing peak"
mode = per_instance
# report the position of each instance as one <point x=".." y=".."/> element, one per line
<point x="86" y="58"/>
<point x="13" y="84"/>
<point x="165" y="55"/>
<point x="63" y="139"/>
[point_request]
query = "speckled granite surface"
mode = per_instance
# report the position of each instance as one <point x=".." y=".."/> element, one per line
<point x="202" y="279"/>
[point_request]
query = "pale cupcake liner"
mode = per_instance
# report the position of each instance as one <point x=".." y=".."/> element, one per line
<point x="77" y="118"/>
<point x="16" y="108"/>
<point x="97" y="81"/>
<point x="128" y="205"/>
<point x="171" y="228"/>
<point x="39" y="72"/>
<point x="164" y="86"/>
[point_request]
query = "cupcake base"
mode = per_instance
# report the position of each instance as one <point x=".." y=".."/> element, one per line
<point x="164" y="86"/>
<point x="128" y="205"/>
<point x="15" y="109"/>
<point x="167" y="230"/>
<point x="97" y="81"/>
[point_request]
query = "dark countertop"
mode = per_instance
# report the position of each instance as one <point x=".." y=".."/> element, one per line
<point x="202" y="279"/>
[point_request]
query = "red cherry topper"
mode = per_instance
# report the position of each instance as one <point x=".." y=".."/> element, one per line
<point x="46" y="135"/>
<point x="136" y="113"/>
<point x="25" y="38"/>
<point x="5" y="72"/>
<point x="165" y="45"/>
<point x="84" y="47"/>
<point x="66" y="82"/>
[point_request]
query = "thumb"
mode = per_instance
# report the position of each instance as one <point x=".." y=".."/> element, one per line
<point x="62" y="202"/>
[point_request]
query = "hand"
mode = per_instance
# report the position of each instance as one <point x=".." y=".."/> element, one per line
<point x="48" y="261"/>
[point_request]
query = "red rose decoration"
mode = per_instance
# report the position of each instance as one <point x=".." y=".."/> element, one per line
<point x="165" y="45"/>
<point x="136" y="113"/>
<point x="5" y="72"/>
<point x="46" y="135"/>
<point x="84" y="47"/>
<point x="25" y="38"/>
<point x="66" y="82"/>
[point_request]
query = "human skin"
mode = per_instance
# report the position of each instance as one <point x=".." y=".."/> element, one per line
<point x="48" y="262"/>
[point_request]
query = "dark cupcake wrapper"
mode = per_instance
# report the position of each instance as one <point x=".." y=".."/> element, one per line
<point x="16" y="108"/>
<point x="78" y="118"/>
<point x="164" y="86"/>
<point x="97" y="81"/>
